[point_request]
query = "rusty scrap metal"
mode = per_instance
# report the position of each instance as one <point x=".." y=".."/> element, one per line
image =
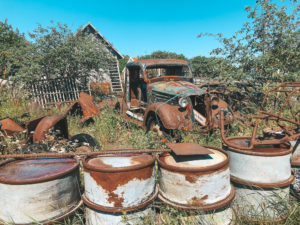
<point x="84" y="154"/>
<point x="31" y="126"/>
<point x="292" y="132"/>
<point x="289" y="101"/>
<point x="241" y="96"/>
<point x="9" y="127"/>
<point x="57" y="122"/>
<point x="188" y="149"/>
<point x="85" y="106"/>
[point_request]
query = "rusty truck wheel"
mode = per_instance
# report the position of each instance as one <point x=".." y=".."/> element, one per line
<point x="155" y="125"/>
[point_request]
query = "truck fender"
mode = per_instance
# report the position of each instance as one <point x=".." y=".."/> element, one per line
<point x="169" y="115"/>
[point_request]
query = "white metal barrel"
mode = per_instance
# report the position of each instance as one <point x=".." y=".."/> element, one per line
<point x="196" y="182"/>
<point x="261" y="177"/>
<point x="263" y="165"/>
<point x="216" y="217"/>
<point x="38" y="190"/>
<point x="116" y="184"/>
<point x="141" y="216"/>
<point x="296" y="167"/>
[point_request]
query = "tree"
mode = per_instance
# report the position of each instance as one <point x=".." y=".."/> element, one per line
<point x="211" y="67"/>
<point x="61" y="53"/>
<point x="13" y="50"/>
<point x="123" y="62"/>
<point x="163" y="55"/>
<point x="269" y="44"/>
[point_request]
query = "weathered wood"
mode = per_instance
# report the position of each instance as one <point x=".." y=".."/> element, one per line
<point x="60" y="89"/>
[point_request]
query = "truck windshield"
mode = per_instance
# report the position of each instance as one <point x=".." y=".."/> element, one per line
<point x="160" y="71"/>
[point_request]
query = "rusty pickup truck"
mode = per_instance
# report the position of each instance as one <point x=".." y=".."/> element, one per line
<point x="160" y="96"/>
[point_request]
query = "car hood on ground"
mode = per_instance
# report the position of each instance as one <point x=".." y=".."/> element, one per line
<point x="182" y="88"/>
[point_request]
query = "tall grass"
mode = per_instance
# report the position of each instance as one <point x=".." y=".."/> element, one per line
<point x="112" y="131"/>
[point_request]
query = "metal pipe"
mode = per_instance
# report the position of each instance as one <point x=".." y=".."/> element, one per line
<point x="72" y="154"/>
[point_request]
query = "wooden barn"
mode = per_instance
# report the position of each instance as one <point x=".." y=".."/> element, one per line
<point x="111" y="76"/>
<point x="67" y="89"/>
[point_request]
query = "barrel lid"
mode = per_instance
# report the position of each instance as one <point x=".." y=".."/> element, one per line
<point x="35" y="170"/>
<point x="216" y="159"/>
<point x="118" y="162"/>
<point x="188" y="149"/>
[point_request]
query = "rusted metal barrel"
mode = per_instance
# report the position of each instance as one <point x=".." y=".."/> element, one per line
<point x="198" y="183"/>
<point x="38" y="190"/>
<point x="262" y="178"/>
<point x="140" y="216"/>
<point x="116" y="184"/>
<point x="296" y="167"/>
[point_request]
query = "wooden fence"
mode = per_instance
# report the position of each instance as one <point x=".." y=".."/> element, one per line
<point x="63" y="89"/>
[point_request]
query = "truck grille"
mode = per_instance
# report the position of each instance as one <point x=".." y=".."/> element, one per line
<point x="163" y="97"/>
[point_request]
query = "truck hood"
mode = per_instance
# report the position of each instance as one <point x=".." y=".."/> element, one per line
<point x="183" y="88"/>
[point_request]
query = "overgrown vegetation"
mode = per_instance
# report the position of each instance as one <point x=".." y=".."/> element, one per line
<point x="268" y="45"/>
<point x="55" y="51"/>
<point x="265" y="48"/>
<point x="112" y="131"/>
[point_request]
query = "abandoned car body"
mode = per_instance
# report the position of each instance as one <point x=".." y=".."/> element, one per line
<point x="160" y="96"/>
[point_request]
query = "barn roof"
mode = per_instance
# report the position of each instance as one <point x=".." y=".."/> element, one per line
<point x="89" y="25"/>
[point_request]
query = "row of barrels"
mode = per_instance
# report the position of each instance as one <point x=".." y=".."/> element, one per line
<point x="48" y="189"/>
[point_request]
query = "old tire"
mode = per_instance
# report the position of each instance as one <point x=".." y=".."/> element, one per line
<point x="35" y="148"/>
<point x="79" y="139"/>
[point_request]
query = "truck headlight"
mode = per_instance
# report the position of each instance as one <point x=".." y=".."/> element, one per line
<point x="183" y="102"/>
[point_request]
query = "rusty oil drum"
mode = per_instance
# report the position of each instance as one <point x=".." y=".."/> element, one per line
<point x="116" y="184"/>
<point x="262" y="178"/>
<point x="296" y="167"/>
<point x="38" y="190"/>
<point x="197" y="183"/>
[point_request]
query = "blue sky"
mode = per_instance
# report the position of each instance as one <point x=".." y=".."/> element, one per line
<point x="136" y="27"/>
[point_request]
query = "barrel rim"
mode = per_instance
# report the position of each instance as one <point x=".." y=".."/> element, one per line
<point x="203" y="169"/>
<point x="250" y="152"/>
<point x="95" y="206"/>
<point x="41" y="179"/>
<point x="117" y="169"/>
<point x="56" y="219"/>
<point x="209" y="207"/>
<point x="263" y="185"/>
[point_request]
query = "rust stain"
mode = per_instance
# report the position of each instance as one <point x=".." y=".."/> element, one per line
<point x="190" y="175"/>
<point x="110" y="181"/>
<point x="114" y="198"/>
<point x="191" y="178"/>
<point x="197" y="201"/>
<point x="35" y="168"/>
